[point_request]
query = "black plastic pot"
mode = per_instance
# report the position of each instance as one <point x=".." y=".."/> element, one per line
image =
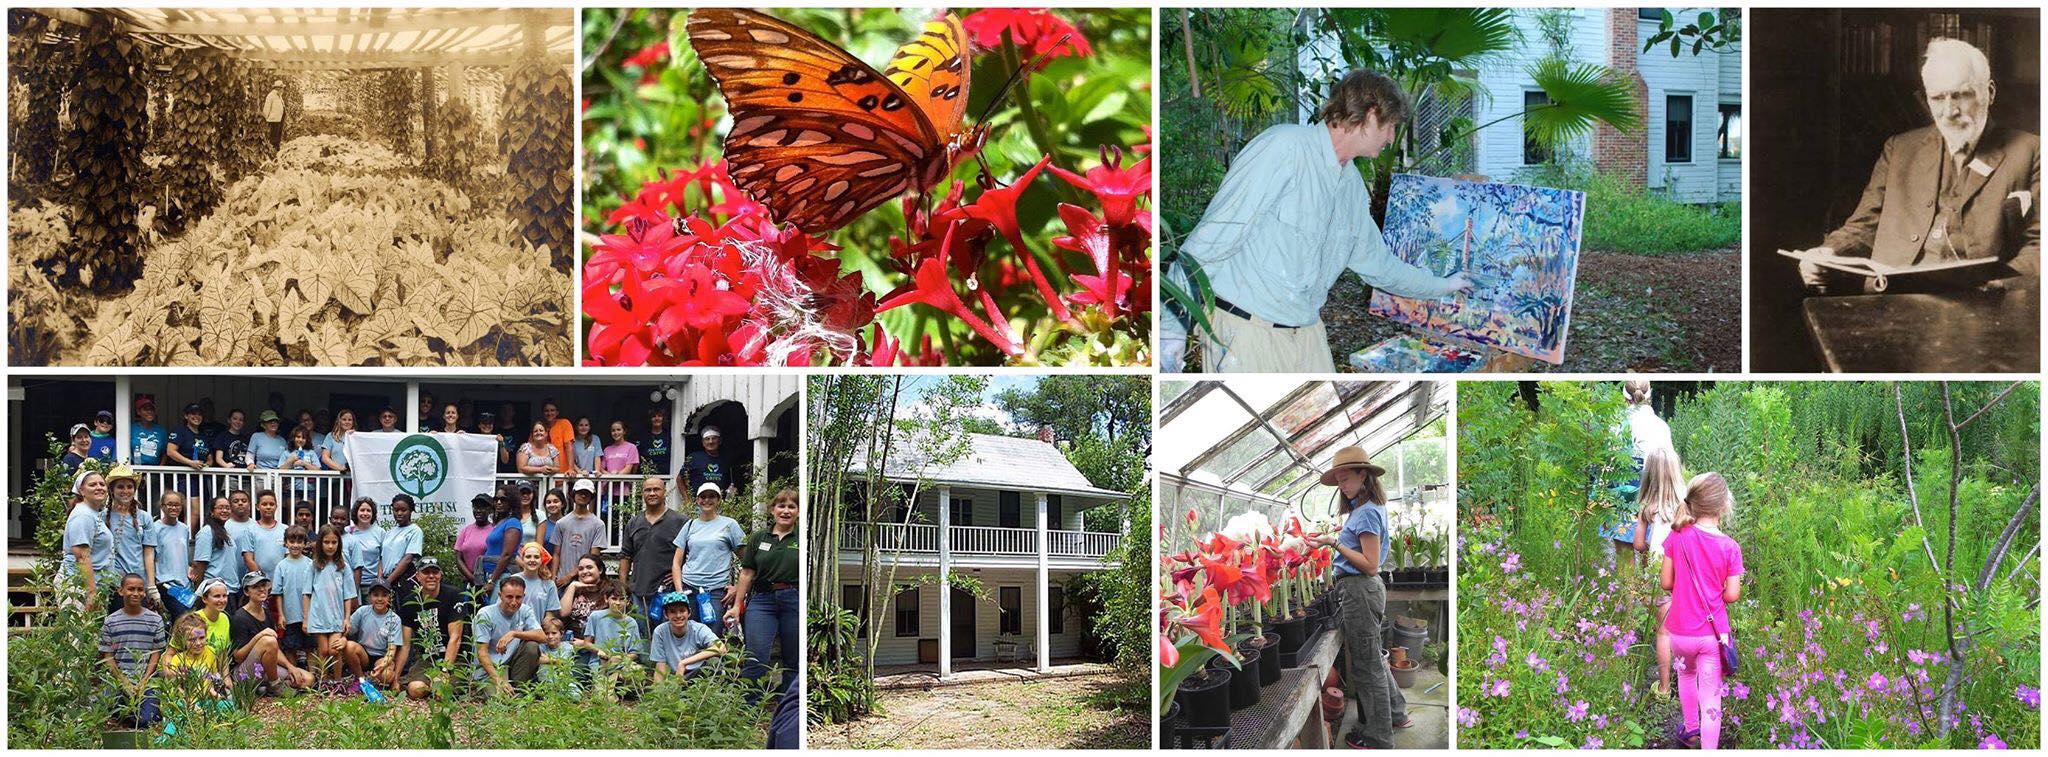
<point x="1244" y="686"/>
<point x="1169" y="727"/>
<point x="1293" y="632"/>
<point x="1269" y="660"/>
<point x="1204" y="699"/>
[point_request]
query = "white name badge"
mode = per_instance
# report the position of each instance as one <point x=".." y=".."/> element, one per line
<point x="1982" y="168"/>
<point x="764" y="546"/>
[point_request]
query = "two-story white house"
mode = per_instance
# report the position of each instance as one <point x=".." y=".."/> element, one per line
<point x="1008" y="514"/>
<point x="1690" y="146"/>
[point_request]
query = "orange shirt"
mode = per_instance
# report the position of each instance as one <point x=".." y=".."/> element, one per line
<point x="561" y="434"/>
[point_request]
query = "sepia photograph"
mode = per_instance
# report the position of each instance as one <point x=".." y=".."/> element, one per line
<point x="451" y="560"/>
<point x="1400" y="190"/>
<point x="979" y="562"/>
<point x="289" y="187"/>
<point x="1304" y="564"/>
<point x="867" y="187"/>
<point x="1836" y="565"/>
<point x="1898" y="179"/>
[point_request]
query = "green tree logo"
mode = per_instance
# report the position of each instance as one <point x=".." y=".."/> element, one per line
<point x="419" y="466"/>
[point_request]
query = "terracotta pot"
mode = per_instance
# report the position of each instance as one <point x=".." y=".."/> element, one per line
<point x="1397" y="656"/>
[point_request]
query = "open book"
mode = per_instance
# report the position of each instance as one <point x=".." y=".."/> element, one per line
<point x="1880" y="271"/>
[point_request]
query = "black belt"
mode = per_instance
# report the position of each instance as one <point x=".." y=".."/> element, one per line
<point x="777" y="586"/>
<point x="1225" y="306"/>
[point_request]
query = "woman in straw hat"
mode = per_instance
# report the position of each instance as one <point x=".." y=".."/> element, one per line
<point x="1361" y="598"/>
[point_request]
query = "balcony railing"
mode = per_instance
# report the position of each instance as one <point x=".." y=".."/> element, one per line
<point x="977" y="540"/>
<point x="618" y="495"/>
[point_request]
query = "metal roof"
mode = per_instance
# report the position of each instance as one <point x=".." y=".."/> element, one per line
<point x="1269" y="438"/>
<point x="1001" y="462"/>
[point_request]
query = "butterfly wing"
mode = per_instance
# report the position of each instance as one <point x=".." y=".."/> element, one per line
<point x="818" y="136"/>
<point x="933" y="69"/>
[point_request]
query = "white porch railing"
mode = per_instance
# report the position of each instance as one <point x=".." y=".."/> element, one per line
<point x="977" y="540"/>
<point x="618" y="495"/>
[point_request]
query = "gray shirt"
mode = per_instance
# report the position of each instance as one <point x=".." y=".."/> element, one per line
<point x="578" y="535"/>
<point x="493" y="622"/>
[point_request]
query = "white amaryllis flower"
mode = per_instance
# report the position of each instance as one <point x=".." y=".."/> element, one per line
<point x="1249" y="527"/>
<point x="1293" y="544"/>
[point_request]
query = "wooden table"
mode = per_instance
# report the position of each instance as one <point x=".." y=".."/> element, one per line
<point x="1293" y="708"/>
<point x="1976" y="331"/>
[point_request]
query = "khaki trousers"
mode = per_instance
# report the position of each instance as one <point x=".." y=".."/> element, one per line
<point x="1242" y="345"/>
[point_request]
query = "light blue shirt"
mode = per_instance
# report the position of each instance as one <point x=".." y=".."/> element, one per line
<point x="223" y="560"/>
<point x="709" y="547"/>
<point x="130" y="533"/>
<point x="310" y="456"/>
<point x="397" y="543"/>
<point x="84" y="526"/>
<point x="331" y="592"/>
<point x="541" y="595"/>
<point x="266" y="545"/>
<point x="292" y="583"/>
<point x="493" y="622"/>
<point x="267" y="450"/>
<point x="363" y="550"/>
<point x="378" y="633"/>
<point x="613" y="634"/>
<point x="336" y="448"/>
<point x="173" y="543"/>
<point x="1366" y="518"/>
<point x="1286" y="222"/>
<point x="672" y="649"/>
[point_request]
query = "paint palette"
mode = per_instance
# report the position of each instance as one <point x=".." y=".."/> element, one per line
<point x="1415" y="354"/>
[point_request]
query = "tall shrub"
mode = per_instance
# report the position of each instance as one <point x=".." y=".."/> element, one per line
<point x="109" y="121"/>
<point x="537" y="136"/>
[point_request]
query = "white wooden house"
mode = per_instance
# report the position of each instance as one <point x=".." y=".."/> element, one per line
<point x="1009" y="514"/>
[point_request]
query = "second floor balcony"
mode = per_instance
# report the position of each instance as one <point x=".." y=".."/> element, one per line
<point x="973" y="541"/>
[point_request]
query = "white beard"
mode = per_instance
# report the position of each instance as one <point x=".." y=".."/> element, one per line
<point x="1956" y="138"/>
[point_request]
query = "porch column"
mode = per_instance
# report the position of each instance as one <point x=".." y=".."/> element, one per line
<point x="760" y="482"/>
<point x="412" y="406"/>
<point x="124" y="409"/>
<point x="1044" y="594"/>
<point x="945" y="583"/>
<point x="676" y="453"/>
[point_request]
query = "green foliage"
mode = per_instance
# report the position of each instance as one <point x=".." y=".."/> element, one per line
<point x="1621" y="218"/>
<point x="1841" y="601"/>
<point x="838" y="684"/>
<point x="54" y="677"/>
<point x="110" y="122"/>
<point x="1707" y="32"/>
<point x="538" y="137"/>
<point x="1116" y="604"/>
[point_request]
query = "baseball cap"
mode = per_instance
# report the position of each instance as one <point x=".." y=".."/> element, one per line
<point x="676" y="598"/>
<point x="146" y="401"/>
<point x="710" y="488"/>
<point x="379" y="584"/>
<point x="526" y="486"/>
<point x="104" y="415"/>
<point x="267" y="416"/>
<point x="585" y="485"/>
<point x="79" y="428"/>
<point x="253" y="578"/>
<point x="427" y="564"/>
<point x="193" y="407"/>
<point x="487" y="417"/>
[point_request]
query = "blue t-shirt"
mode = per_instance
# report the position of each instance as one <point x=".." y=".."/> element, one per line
<point x="493" y="622"/>
<point x="541" y="595"/>
<point x="378" y="633"/>
<point x="672" y="649"/>
<point x="291" y="584"/>
<point x="397" y="542"/>
<point x="331" y="592"/>
<point x="310" y="456"/>
<point x="265" y="545"/>
<point x="84" y="526"/>
<point x="337" y="448"/>
<point x="102" y="448"/>
<point x="267" y="449"/>
<point x="363" y="550"/>
<point x="146" y="444"/>
<point x="494" y="546"/>
<point x="1367" y="518"/>
<point x="131" y="532"/>
<point x="191" y="444"/>
<point x="709" y="547"/>
<point x="223" y="559"/>
<point x="173" y="552"/>
<point x="612" y="633"/>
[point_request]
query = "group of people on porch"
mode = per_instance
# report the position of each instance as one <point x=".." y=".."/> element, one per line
<point x="358" y="605"/>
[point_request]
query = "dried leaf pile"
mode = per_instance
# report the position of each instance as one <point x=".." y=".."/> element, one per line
<point x="339" y="254"/>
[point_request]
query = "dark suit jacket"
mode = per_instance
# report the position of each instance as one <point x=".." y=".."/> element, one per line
<point x="1892" y="220"/>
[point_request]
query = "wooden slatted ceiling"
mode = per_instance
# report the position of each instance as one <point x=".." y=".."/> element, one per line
<point x="344" y="38"/>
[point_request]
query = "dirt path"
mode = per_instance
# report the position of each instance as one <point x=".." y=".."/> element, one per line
<point x="1673" y="313"/>
<point x="1046" y="714"/>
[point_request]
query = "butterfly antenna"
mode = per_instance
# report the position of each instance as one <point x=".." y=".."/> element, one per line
<point x="1004" y="93"/>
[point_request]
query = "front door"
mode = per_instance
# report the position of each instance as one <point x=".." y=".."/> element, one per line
<point x="963" y="623"/>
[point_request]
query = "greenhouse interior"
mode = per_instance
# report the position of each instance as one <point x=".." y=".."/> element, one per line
<point x="270" y="186"/>
<point x="1245" y="456"/>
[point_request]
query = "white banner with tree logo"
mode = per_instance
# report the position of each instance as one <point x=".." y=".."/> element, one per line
<point x="442" y="472"/>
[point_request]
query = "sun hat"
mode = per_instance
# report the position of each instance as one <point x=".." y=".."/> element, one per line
<point x="709" y="488"/>
<point x="122" y="471"/>
<point x="1350" y="457"/>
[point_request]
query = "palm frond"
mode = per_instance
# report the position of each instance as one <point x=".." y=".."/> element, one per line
<point x="1459" y="36"/>
<point x="1582" y="96"/>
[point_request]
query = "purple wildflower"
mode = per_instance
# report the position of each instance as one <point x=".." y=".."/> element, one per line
<point x="1991" y="741"/>
<point x="1876" y="682"/>
<point x="2029" y="696"/>
<point x="1468" y="717"/>
<point x="1499" y="688"/>
<point x="1536" y="663"/>
<point x="1593" y="742"/>
<point x="1577" y="711"/>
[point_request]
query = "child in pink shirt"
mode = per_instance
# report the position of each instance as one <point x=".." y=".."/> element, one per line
<point x="1702" y="570"/>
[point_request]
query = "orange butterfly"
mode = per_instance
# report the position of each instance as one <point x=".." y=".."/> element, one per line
<point x="819" y="136"/>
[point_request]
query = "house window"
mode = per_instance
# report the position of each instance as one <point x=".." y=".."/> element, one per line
<point x="852" y="598"/>
<point x="1058" y="601"/>
<point x="1729" y="136"/>
<point x="962" y="512"/>
<point x="1650" y="14"/>
<point x="900" y="506"/>
<point x="1052" y="512"/>
<point x="1678" y="128"/>
<point x="1534" y="153"/>
<point x="906" y="612"/>
<point x="853" y="500"/>
<point x="1010" y="510"/>
<point x="1010" y="600"/>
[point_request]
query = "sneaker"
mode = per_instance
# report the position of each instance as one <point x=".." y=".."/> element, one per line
<point x="1355" y="740"/>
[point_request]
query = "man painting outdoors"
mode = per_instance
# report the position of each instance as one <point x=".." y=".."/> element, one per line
<point x="1291" y="215"/>
<point x="273" y="113"/>
<point x="1960" y="189"/>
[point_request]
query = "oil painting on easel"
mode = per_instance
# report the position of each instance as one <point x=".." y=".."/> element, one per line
<point x="1518" y="245"/>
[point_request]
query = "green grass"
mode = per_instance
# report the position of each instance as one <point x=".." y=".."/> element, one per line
<point x="1623" y="219"/>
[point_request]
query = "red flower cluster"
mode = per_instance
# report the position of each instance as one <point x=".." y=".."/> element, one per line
<point x="648" y="60"/>
<point x="724" y="286"/>
<point x="1035" y="31"/>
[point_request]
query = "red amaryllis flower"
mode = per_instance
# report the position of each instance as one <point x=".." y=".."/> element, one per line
<point x="1222" y="573"/>
<point x="1251" y="583"/>
<point x="1116" y="186"/>
<point x="1218" y="544"/>
<point x="1169" y="655"/>
<point x="1036" y="31"/>
<point x="1207" y="621"/>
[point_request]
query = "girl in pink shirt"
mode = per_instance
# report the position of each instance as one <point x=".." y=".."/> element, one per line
<point x="1703" y="571"/>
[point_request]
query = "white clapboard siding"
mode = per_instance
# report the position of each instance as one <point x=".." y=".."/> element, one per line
<point x="762" y="394"/>
<point x="902" y="650"/>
